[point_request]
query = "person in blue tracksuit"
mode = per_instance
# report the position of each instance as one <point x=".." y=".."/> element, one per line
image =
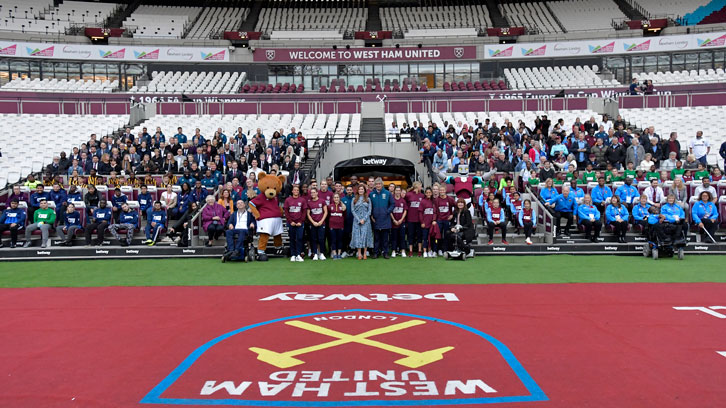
<point x="641" y="212"/>
<point x="13" y="220"/>
<point x="128" y="220"/>
<point x="239" y="226"/>
<point x="34" y="203"/>
<point x="705" y="216"/>
<point x="601" y="195"/>
<point x="146" y="202"/>
<point x="382" y="204"/>
<point x="617" y="216"/>
<point x="71" y="222"/>
<point x="576" y="192"/>
<point x="101" y="217"/>
<point x="589" y="217"/>
<point x="117" y="199"/>
<point x="564" y="205"/>
<point x="627" y="193"/>
<point x="59" y="196"/>
<point x="73" y="195"/>
<point x="155" y="223"/>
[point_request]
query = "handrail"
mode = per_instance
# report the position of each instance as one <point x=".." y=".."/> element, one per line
<point x="547" y="217"/>
<point x="322" y="148"/>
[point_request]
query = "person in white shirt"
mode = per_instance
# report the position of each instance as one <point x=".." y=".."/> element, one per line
<point x="169" y="199"/>
<point x="700" y="147"/>
<point x="706" y="186"/>
<point x="254" y="169"/>
<point x="606" y="123"/>
<point x="393" y="130"/>
<point x="238" y="229"/>
<point x="646" y="163"/>
<point x="654" y="193"/>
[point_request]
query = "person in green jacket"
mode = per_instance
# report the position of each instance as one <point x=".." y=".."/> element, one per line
<point x="43" y="219"/>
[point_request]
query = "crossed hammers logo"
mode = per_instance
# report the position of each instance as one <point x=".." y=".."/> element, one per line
<point x="411" y="359"/>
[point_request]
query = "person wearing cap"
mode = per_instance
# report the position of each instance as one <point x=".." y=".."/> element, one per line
<point x="13" y="220"/>
<point x="71" y="223"/>
<point x="43" y="219"/>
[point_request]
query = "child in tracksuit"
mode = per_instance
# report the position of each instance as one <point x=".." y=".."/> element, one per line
<point x="71" y="224"/>
<point x="155" y="224"/>
<point x="12" y="219"/>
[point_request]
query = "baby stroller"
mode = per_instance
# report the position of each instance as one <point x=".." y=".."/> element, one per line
<point x="461" y="248"/>
<point x="664" y="241"/>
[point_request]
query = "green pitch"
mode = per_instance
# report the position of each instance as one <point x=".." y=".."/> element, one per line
<point x="481" y="270"/>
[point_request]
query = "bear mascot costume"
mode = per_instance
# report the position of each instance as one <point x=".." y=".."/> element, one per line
<point x="266" y="210"/>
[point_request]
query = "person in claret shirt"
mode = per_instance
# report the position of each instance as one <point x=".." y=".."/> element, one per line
<point x="413" y="222"/>
<point x="295" y="213"/>
<point x="336" y="222"/>
<point x="444" y="213"/>
<point x="325" y="193"/>
<point x="317" y="213"/>
<point x="398" y="219"/>
<point x="527" y="219"/>
<point x="427" y="216"/>
<point x="496" y="218"/>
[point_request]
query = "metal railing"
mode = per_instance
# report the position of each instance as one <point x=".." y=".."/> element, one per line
<point x="322" y="149"/>
<point x="546" y="227"/>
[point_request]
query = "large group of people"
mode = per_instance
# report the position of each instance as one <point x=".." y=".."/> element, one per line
<point x="154" y="184"/>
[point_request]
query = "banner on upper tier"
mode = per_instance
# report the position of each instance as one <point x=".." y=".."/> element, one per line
<point x="390" y="54"/>
<point x="110" y="52"/>
<point x="690" y="42"/>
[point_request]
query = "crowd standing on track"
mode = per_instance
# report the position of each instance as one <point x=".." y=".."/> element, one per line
<point x="597" y="177"/>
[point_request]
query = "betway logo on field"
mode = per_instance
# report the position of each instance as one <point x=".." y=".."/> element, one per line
<point x="349" y="358"/>
<point x="375" y="162"/>
<point x="373" y="297"/>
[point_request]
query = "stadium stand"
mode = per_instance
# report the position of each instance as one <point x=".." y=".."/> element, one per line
<point x="414" y="21"/>
<point x="41" y="16"/>
<point x="304" y="19"/>
<point x="654" y="8"/>
<point x="475" y="86"/>
<point x="214" y="20"/>
<point x="161" y="21"/>
<point x="556" y="77"/>
<point x="193" y="82"/>
<point x="313" y="126"/>
<point x="60" y="85"/>
<point x="534" y="15"/>
<point x="581" y="15"/>
<point x="683" y="77"/>
<point x="374" y="85"/>
<point x="49" y="135"/>
<point x="269" y="88"/>
<point x="685" y="121"/>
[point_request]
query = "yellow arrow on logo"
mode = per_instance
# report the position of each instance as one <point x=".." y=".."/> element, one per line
<point x="412" y="359"/>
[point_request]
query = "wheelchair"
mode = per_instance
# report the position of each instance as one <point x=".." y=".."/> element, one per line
<point x="461" y="248"/>
<point x="249" y="251"/>
<point x="667" y="244"/>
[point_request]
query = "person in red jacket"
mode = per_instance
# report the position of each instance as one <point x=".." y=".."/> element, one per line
<point x="296" y="209"/>
<point x="427" y="216"/>
<point x="317" y="213"/>
<point x="413" y="199"/>
<point x="336" y="222"/>
<point x="398" y="219"/>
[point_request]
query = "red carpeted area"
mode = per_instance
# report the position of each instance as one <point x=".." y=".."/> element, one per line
<point x="594" y="345"/>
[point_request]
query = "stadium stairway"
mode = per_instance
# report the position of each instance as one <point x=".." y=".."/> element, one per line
<point x="373" y="23"/>
<point x="117" y="19"/>
<point x="372" y="130"/>
<point x="251" y="22"/>
<point x="629" y="10"/>
<point x="498" y="19"/>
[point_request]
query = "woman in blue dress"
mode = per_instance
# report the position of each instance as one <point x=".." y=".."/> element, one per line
<point x="362" y="234"/>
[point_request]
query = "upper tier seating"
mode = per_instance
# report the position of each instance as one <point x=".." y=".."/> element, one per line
<point x="194" y="82"/>
<point x="582" y="15"/>
<point x="214" y="20"/>
<point x="60" y="85"/>
<point x="41" y="16"/>
<point x="531" y="15"/>
<point x="475" y="86"/>
<point x="678" y="8"/>
<point x="374" y="85"/>
<point x="49" y="135"/>
<point x="422" y="18"/>
<point x="338" y="19"/>
<point x="683" y="77"/>
<point x="556" y="78"/>
<point x="685" y="121"/>
<point x="341" y="126"/>
<point x="161" y="21"/>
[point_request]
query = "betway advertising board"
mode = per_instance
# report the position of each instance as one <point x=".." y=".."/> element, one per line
<point x="112" y="53"/>
<point x="636" y="45"/>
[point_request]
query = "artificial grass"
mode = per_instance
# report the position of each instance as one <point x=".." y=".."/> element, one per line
<point x="481" y="270"/>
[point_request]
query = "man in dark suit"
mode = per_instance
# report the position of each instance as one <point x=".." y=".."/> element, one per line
<point x="235" y="172"/>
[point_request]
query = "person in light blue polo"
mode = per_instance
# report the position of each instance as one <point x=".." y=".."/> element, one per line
<point x="627" y="193"/>
<point x="589" y="217"/>
<point x="705" y="216"/>
<point x="565" y="205"/>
